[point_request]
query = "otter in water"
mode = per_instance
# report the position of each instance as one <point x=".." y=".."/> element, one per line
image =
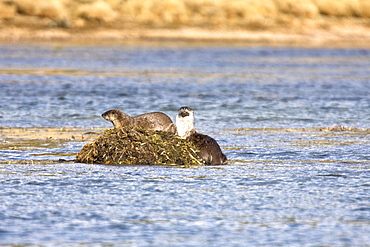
<point x="147" y="121"/>
<point x="209" y="150"/>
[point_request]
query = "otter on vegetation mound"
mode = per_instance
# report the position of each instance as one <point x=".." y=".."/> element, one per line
<point x="147" y="121"/>
<point x="208" y="148"/>
<point x="130" y="146"/>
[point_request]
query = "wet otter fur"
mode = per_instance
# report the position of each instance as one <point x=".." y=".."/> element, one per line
<point x="209" y="150"/>
<point x="146" y="121"/>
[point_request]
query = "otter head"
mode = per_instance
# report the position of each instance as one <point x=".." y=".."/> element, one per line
<point x="185" y="122"/>
<point x="117" y="117"/>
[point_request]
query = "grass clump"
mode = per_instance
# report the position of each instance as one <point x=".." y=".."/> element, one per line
<point x="250" y="13"/>
<point x="124" y="146"/>
<point x="156" y="12"/>
<point x="53" y="9"/>
<point x="7" y="10"/>
<point x="339" y="8"/>
<point x="97" y="11"/>
<point x="298" y="8"/>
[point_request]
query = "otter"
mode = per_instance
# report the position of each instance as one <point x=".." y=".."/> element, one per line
<point x="209" y="150"/>
<point x="147" y="121"/>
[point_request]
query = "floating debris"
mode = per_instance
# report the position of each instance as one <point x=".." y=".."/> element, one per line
<point x="125" y="146"/>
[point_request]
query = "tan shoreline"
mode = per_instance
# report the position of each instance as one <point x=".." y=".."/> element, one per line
<point x="312" y="23"/>
<point x="8" y="134"/>
<point x="338" y="36"/>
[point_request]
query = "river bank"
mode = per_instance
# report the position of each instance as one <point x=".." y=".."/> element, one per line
<point x="349" y="35"/>
<point x="313" y="23"/>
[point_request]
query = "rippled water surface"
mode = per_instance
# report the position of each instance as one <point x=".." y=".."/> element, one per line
<point x="292" y="179"/>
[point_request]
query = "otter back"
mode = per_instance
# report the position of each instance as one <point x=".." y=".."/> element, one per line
<point x="146" y="121"/>
<point x="209" y="150"/>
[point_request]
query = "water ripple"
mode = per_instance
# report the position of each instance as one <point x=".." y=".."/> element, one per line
<point x="291" y="180"/>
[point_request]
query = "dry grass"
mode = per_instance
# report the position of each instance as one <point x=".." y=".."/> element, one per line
<point x="155" y="12"/>
<point x="53" y="9"/>
<point x="364" y="8"/>
<point x="97" y="11"/>
<point x="298" y="8"/>
<point x="339" y="8"/>
<point x="249" y="14"/>
<point x="7" y="11"/>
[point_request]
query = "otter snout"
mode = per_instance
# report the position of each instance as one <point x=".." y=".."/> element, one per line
<point x="184" y="111"/>
<point x="110" y="115"/>
<point x="106" y="115"/>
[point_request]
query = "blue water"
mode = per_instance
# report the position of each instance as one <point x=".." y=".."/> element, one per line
<point x="287" y="183"/>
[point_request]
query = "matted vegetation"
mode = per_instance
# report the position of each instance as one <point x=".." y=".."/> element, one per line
<point x="126" y="146"/>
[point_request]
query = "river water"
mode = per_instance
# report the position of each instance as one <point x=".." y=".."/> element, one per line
<point x="292" y="180"/>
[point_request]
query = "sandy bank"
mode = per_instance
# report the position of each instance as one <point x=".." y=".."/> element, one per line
<point x="272" y="22"/>
<point x="328" y="32"/>
<point x="351" y="36"/>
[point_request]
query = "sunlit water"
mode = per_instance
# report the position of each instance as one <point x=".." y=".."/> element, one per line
<point x="287" y="183"/>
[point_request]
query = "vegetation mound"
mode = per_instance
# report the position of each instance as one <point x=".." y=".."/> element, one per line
<point x="124" y="146"/>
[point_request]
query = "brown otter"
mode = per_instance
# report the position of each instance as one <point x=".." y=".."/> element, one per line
<point x="209" y="150"/>
<point x="148" y="121"/>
